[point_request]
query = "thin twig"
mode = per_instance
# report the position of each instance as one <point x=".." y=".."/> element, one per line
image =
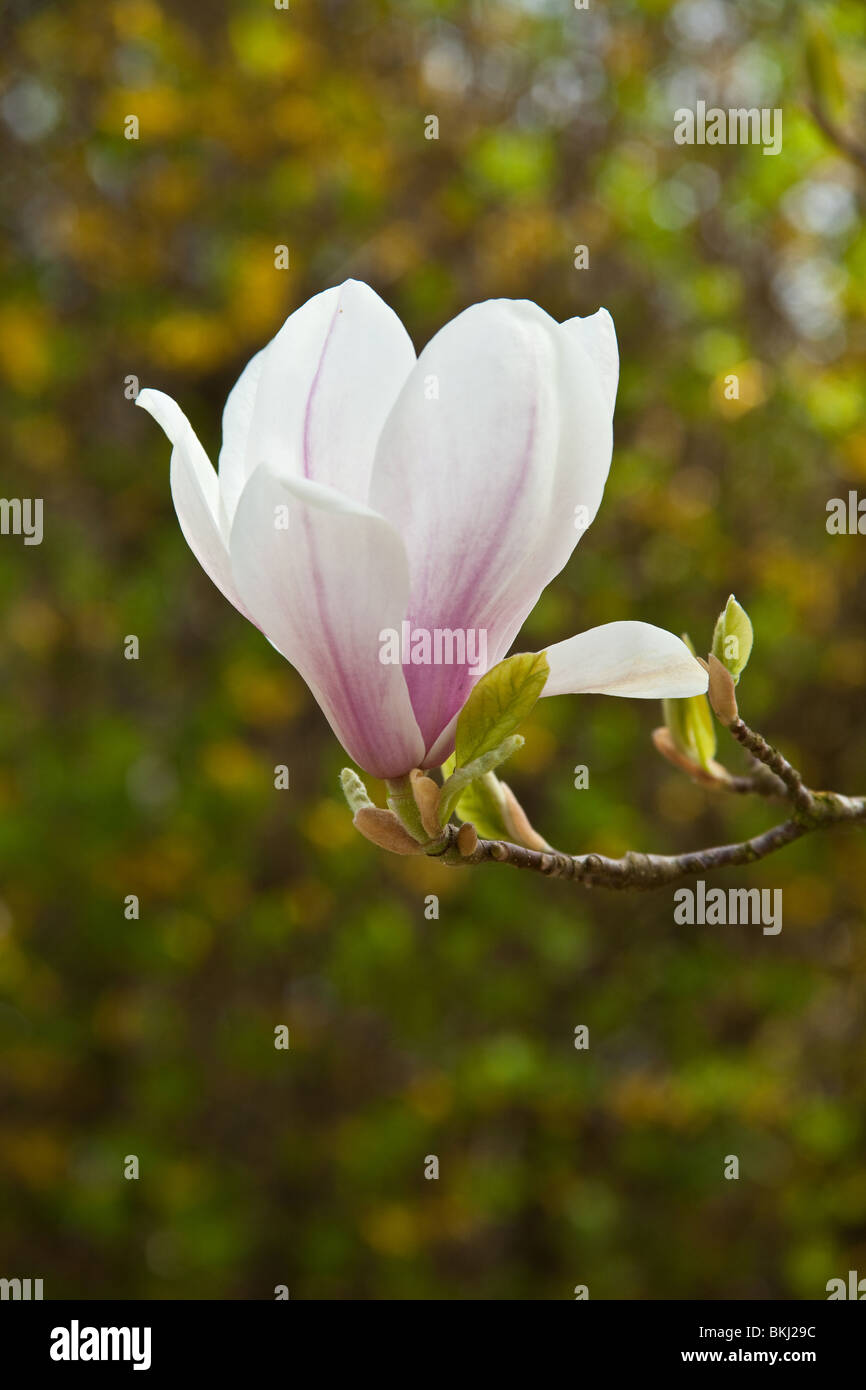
<point x="812" y="811"/>
<point x="798" y="792"/>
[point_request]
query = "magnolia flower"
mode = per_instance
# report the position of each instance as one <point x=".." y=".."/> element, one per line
<point x="360" y="490"/>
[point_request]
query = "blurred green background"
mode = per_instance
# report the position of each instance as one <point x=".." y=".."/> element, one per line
<point x="409" y="1036"/>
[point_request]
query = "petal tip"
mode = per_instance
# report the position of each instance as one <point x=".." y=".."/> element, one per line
<point x="166" y="412"/>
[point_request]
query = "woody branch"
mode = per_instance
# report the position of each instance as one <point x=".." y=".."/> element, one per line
<point x="811" y="810"/>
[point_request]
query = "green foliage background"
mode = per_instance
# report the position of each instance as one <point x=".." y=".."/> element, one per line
<point x="412" y="1037"/>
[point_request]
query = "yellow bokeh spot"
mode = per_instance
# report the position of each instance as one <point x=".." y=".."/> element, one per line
<point x="135" y="19"/>
<point x="802" y="581"/>
<point x="42" y="441"/>
<point x="391" y="1229"/>
<point x="172" y="190"/>
<point x="34" y="1158"/>
<point x="267" y="47"/>
<point x="264" y="697"/>
<point x="423" y="874"/>
<point x="511" y="245"/>
<point x="33" y="625"/>
<point x="304" y="117"/>
<point x="231" y="765"/>
<point x="398" y="249"/>
<point x="260" y="293"/>
<point x="158" y="869"/>
<point x="329" y="825"/>
<point x="431" y="1095"/>
<point x="161" y="111"/>
<point x="25" y="348"/>
<point x="537" y="752"/>
<point x="740" y="389"/>
<point x="187" y="339"/>
<point x="642" y="1098"/>
<point x="854" y="453"/>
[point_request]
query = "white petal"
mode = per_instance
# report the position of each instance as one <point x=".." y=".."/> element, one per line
<point x="499" y="433"/>
<point x="322" y="591"/>
<point x="234" y="467"/>
<point x="597" y="335"/>
<point x="313" y="402"/>
<point x="586" y="403"/>
<point x="195" y="492"/>
<point x="626" y="658"/>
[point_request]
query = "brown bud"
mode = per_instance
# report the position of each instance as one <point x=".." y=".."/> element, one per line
<point x="665" y="745"/>
<point x="710" y="776"/>
<point x="721" y="692"/>
<point x="426" y="794"/>
<point x="517" y="821"/>
<point x="467" y="839"/>
<point x="384" y="829"/>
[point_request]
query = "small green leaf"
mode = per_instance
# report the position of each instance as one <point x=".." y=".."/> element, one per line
<point x="354" y="790"/>
<point x="733" y="637"/>
<point x="498" y="704"/>
<point x="691" y="726"/>
<point x="690" y="723"/>
<point x="701" y="729"/>
<point x="481" y="803"/>
<point x="461" y="777"/>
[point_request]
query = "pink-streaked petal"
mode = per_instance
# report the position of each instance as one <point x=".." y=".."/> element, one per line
<point x="588" y="363"/>
<point x="315" y="402"/>
<point x="195" y="493"/>
<point x="322" y="591"/>
<point x="625" y="658"/>
<point x="443" y="746"/>
<point x="500" y="432"/>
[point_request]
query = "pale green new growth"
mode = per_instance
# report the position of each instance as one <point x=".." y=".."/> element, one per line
<point x="498" y="703"/>
<point x="461" y="777"/>
<point x="733" y="637"/>
<point x="354" y="790"/>
<point x="482" y="804"/>
<point x="690" y="724"/>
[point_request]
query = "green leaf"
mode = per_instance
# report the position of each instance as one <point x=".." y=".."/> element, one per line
<point x="690" y="722"/>
<point x="481" y="803"/>
<point x="701" y="729"/>
<point x="498" y="704"/>
<point x="733" y="637"/>
<point x="461" y="777"/>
